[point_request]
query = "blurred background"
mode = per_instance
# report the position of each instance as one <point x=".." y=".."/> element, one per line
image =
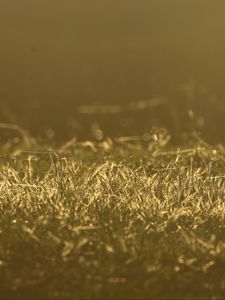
<point x="68" y="67"/>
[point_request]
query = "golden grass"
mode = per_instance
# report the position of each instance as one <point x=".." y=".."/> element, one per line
<point x="112" y="220"/>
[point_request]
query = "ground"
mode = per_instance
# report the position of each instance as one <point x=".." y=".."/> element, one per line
<point x="121" y="219"/>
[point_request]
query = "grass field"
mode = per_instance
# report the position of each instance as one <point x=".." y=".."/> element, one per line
<point x="112" y="220"/>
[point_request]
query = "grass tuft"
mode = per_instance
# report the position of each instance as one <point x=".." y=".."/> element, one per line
<point x="112" y="220"/>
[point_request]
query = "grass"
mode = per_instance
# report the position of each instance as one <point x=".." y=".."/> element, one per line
<point x="112" y="220"/>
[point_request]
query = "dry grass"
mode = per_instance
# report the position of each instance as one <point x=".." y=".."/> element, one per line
<point x="112" y="221"/>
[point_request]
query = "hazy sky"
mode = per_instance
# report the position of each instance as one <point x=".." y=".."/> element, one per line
<point x="102" y="50"/>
